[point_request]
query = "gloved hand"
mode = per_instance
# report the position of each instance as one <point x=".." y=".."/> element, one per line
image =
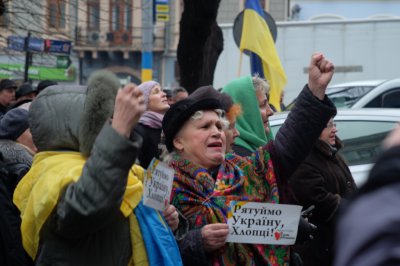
<point x="306" y="229"/>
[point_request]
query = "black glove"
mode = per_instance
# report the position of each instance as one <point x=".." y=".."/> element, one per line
<point x="305" y="231"/>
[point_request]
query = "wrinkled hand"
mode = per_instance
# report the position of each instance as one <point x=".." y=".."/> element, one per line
<point x="129" y="106"/>
<point x="393" y="139"/>
<point x="172" y="217"/>
<point x="214" y="236"/>
<point x="319" y="74"/>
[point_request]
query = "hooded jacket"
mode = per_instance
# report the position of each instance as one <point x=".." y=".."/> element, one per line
<point x="85" y="213"/>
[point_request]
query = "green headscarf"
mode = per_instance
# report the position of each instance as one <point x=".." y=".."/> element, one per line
<point x="249" y="123"/>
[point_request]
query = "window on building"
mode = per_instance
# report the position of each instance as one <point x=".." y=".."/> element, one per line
<point x="121" y="15"/>
<point x="93" y="14"/>
<point x="56" y="18"/>
<point x="5" y="18"/>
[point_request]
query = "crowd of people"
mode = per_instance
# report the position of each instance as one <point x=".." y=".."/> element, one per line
<point x="73" y="160"/>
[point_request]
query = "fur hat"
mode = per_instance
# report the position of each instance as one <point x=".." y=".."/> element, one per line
<point x="180" y="112"/>
<point x="13" y="124"/>
<point x="146" y="87"/>
<point x="231" y="110"/>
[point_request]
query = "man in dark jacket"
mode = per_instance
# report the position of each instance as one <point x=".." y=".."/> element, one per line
<point x="15" y="161"/>
<point x="322" y="180"/>
<point x="368" y="229"/>
<point x="7" y="95"/>
<point x="24" y="96"/>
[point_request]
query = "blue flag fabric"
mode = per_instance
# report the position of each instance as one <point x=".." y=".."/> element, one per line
<point x="161" y="247"/>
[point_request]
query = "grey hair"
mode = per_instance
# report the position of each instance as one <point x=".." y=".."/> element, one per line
<point x="199" y="114"/>
<point x="260" y="84"/>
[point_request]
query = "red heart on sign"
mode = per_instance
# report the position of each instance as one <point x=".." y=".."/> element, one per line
<point x="277" y="235"/>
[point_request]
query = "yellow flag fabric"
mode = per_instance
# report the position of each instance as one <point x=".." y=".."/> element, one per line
<point x="256" y="38"/>
<point x="39" y="190"/>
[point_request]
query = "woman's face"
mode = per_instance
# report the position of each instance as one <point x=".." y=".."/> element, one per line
<point x="231" y="133"/>
<point x="265" y="109"/>
<point x="329" y="133"/>
<point x="202" y="140"/>
<point x="158" y="100"/>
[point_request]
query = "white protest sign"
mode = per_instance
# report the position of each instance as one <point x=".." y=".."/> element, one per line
<point x="263" y="223"/>
<point x="157" y="185"/>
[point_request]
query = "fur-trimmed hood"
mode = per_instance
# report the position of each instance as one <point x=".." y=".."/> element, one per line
<point x="70" y="117"/>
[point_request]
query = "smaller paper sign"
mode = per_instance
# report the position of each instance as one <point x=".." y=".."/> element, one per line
<point x="157" y="185"/>
<point x="263" y="223"/>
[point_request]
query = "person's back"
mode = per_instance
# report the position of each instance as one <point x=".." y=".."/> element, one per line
<point x="368" y="229"/>
<point x="12" y="252"/>
<point x="80" y="201"/>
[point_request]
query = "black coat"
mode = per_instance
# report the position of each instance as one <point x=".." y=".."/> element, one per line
<point x="11" y="250"/>
<point x="322" y="180"/>
<point x="151" y="140"/>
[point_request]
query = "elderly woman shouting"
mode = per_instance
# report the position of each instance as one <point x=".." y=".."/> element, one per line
<point x="207" y="180"/>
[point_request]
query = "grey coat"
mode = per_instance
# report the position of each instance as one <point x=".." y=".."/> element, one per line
<point x="368" y="232"/>
<point x="86" y="227"/>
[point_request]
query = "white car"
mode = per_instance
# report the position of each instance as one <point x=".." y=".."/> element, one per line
<point x="366" y="94"/>
<point x="361" y="131"/>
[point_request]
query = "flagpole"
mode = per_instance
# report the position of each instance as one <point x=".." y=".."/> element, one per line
<point x="240" y="63"/>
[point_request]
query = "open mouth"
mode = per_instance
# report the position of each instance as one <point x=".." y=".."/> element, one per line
<point x="215" y="145"/>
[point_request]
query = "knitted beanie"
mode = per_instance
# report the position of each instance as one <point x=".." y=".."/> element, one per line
<point x="145" y="88"/>
<point x="13" y="124"/>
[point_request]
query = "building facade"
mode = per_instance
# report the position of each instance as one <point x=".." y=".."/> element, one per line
<point x="105" y="34"/>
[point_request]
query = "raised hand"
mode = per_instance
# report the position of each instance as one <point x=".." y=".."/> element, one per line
<point x="129" y="106"/>
<point x="319" y="74"/>
<point x="214" y="236"/>
<point x="172" y="217"/>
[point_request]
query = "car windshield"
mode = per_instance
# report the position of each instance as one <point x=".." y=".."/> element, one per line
<point x="345" y="97"/>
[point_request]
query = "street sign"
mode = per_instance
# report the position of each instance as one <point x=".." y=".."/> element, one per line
<point x="162" y="10"/>
<point x="16" y="43"/>
<point x="162" y="17"/>
<point x="35" y="45"/>
<point x="58" y="47"/>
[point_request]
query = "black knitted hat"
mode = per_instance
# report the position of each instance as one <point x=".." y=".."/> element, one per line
<point x="14" y="123"/>
<point x="24" y="89"/>
<point x="7" y="84"/>
<point x="180" y="112"/>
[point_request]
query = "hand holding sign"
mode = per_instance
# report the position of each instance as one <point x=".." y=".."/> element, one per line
<point x="171" y="216"/>
<point x="214" y="236"/>
<point x="158" y="185"/>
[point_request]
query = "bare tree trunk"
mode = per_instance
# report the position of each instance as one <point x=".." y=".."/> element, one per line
<point x="200" y="43"/>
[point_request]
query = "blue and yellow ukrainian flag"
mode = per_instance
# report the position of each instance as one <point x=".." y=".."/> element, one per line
<point x="257" y="39"/>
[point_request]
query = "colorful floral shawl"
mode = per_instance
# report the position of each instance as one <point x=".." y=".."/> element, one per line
<point x="204" y="200"/>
